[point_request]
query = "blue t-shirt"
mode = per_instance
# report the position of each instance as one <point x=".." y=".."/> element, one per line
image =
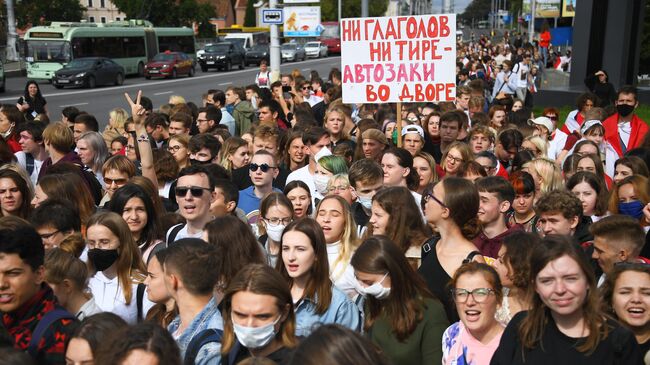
<point x="250" y="204"/>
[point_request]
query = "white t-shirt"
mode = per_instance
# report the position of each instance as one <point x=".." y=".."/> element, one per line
<point x="182" y="233"/>
<point x="21" y="157"/>
<point x="109" y="297"/>
<point x="341" y="273"/>
<point x="305" y="176"/>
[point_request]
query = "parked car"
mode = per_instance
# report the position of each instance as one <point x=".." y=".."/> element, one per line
<point x="292" y="52"/>
<point x="201" y="52"/>
<point x="222" y="56"/>
<point x="315" y="49"/>
<point x="89" y="72"/>
<point x="258" y="53"/>
<point x="169" y="64"/>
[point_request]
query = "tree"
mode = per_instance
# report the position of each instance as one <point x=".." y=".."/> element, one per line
<point x="351" y="9"/>
<point x="167" y="13"/>
<point x="477" y="9"/>
<point x="37" y="12"/>
<point x="249" y="17"/>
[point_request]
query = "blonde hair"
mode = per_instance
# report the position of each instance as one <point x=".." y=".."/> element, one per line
<point x="119" y="117"/>
<point x="230" y="146"/>
<point x="549" y="173"/>
<point x="349" y="239"/>
<point x="61" y="265"/>
<point x="176" y="99"/>
<point x="540" y="143"/>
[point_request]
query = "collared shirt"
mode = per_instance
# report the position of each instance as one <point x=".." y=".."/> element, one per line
<point x="208" y="318"/>
<point x="88" y="309"/>
<point x="340" y="311"/>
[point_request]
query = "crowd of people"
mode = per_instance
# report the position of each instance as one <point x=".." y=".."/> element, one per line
<point x="275" y="224"/>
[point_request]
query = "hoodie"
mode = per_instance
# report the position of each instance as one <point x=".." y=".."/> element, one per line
<point x="244" y="115"/>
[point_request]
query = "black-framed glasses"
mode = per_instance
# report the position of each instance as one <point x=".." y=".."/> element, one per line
<point x="428" y="196"/>
<point x="480" y="295"/>
<point x="173" y="149"/>
<point x="196" y="191"/>
<point x="264" y="167"/>
<point x="48" y="235"/>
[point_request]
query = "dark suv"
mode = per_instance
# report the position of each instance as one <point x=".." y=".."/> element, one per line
<point x="223" y="56"/>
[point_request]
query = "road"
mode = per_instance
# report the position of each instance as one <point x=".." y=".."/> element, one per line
<point x="101" y="100"/>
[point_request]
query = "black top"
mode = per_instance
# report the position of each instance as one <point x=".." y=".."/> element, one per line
<point x="644" y="348"/>
<point x="280" y="356"/>
<point x="437" y="279"/>
<point x="556" y="348"/>
<point x="605" y="91"/>
<point x="36" y="105"/>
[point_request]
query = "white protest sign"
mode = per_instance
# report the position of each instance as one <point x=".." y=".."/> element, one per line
<point x="399" y="59"/>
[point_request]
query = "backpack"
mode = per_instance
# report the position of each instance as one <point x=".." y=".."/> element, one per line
<point x="203" y="338"/>
<point x="173" y="232"/>
<point x="29" y="164"/>
<point x="43" y="326"/>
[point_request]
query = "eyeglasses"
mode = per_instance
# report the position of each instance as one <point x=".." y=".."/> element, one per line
<point x="275" y="221"/>
<point x="306" y="88"/>
<point x="46" y="236"/>
<point x="332" y="189"/>
<point x="117" y="182"/>
<point x="173" y="149"/>
<point x="201" y="120"/>
<point x="264" y="167"/>
<point x="480" y="295"/>
<point x="428" y="196"/>
<point x="455" y="159"/>
<point x="196" y="191"/>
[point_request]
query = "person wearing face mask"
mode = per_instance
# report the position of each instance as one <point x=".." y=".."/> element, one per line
<point x="116" y="266"/>
<point x="366" y="178"/>
<point x="276" y="212"/>
<point x="316" y="141"/>
<point x="204" y="149"/>
<point x="305" y="267"/>
<point x="258" y="316"/>
<point x="629" y="197"/>
<point x="327" y="167"/>
<point x="400" y="313"/>
<point x="625" y="130"/>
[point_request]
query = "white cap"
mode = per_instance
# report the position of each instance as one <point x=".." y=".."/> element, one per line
<point x="588" y="124"/>
<point x="413" y="128"/>
<point x="543" y="121"/>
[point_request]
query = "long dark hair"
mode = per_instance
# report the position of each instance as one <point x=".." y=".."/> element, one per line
<point x="405" y="160"/>
<point x="97" y="328"/>
<point x="151" y="230"/>
<point x="405" y="306"/>
<point x="146" y="336"/>
<point x="38" y="96"/>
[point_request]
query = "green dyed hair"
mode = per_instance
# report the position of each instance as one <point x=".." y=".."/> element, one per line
<point x="334" y="164"/>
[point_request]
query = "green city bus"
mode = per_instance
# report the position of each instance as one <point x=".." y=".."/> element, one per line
<point x="129" y="43"/>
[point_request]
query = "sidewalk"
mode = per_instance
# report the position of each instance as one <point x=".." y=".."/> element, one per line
<point x="15" y="69"/>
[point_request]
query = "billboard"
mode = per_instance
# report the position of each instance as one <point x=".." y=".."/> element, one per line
<point x="569" y="8"/>
<point x="399" y="59"/>
<point x="543" y="8"/>
<point x="302" y="21"/>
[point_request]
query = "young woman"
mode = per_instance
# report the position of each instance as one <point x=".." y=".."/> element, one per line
<point x="591" y="192"/>
<point x="565" y="323"/>
<point x="15" y="194"/>
<point x="117" y="145"/>
<point x="144" y="342"/>
<point x="334" y="122"/>
<point x="513" y="265"/>
<point x="91" y="334"/>
<point x="401" y="316"/>
<point x="138" y="211"/>
<point x="335" y="218"/>
<point x="298" y="193"/>
<point x="628" y="166"/>
<point x="497" y="114"/>
<point x="425" y="165"/>
<point x="397" y="164"/>
<point x="32" y="102"/>
<point x="294" y="152"/>
<point x="477" y="292"/>
<point x="431" y="124"/>
<point x="451" y="205"/>
<point x="164" y="311"/>
<point x="625" y="296"/>
<point x="10" y="119"/>
<point x="68" y="187"/>
<point x="546" y="174"/>
<point x="327" y="167"/>
<point x="305" y="267"/>
<point x="396" y="216"/>
<point x="537" y="145"/>
<point x="258" y="316"/>
<point x="93" y="153"/>
<point x="166" y="169"/>
<point x="523" y="212"/>
<point x="67" y="276"/>
<point x="237" y="245"/>
<point x="456" y="154"/>
<point x="517" y="105"/>
<point x="276" y="212"/>
<point x="116" y="267"/>
<point x="629" y="197"/>
<point x="178" y="147"/>
<point x="235" y="153"/>
<point x="593" y="164"/>
<point x="115" y="126"/>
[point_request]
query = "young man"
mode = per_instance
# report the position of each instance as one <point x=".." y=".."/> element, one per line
<point x="54" y="220"/>
<point x="373" y="144"/>
<point x="157" y="127"/>
<point x="617" y="238"/>
<point x="314" y="139"/>
<point x="366" y="178"/>
<point x="226" y="198"/>
<point x="191" y="271"/>
<point x="560" y="212"/>
<point x="204" y="149"/>
<point x="508" y="144"/>
<point x="491" y="164"/>
<point x="84" y="123"/>
<point x="27" y="301"/>
<point x="241" y="109"/>
<point x="450" y="125"/>
<point x="481" y="138"/>
<point x="68" y="114"/>
<point x="265" y="138"/>
<point x="219" y="102"/>
<point x="208" y="119"/>
<point x="194" y="196"/>
<point x="496" y="196"/>
<point x="463" y="93"/>
<point x="307" y="95"/>
<point x="180" y="123"/>
<point x="30" y="138"/>
<point x="58" y="140"/>
<point x="413" y="138"/>
<point x="262" y="170"/>
<point x="269" y="114"/>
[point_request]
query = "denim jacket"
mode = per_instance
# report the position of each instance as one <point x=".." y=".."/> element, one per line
<point x="209" y="317"/>
<point x="340" y="311"/>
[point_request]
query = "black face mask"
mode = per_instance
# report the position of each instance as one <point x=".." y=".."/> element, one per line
<point x="102" y="259"/>
<point x="194" y="162"/>
<point x="624" y="110"/>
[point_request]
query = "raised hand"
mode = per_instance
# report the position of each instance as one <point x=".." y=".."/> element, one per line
<point x="137" y="111"/>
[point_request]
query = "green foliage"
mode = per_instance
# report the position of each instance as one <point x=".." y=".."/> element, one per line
<point x="351" y="9"/>
<point x="36" y="12"/>
<point x="477" y="9"/>
<point x="168" y="13"/>
<point x="249" y="16"/>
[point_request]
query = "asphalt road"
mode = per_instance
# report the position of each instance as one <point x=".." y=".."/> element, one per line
<point x="101" y="100"/>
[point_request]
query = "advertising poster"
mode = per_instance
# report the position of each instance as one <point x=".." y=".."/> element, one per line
<point x="302" y="21"/>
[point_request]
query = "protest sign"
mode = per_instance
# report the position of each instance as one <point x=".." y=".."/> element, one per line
<point x="399" y="59"/>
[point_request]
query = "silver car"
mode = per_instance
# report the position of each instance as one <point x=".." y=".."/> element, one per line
<point x="315" y="50"/>
<point x="292" y="52"/>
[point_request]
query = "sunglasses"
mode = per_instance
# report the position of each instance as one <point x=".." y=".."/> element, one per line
<point x="196" y="191"/>
<point x="264" y="167"/>
<point x="552" y="117"/>
<point x="117" y="182"/>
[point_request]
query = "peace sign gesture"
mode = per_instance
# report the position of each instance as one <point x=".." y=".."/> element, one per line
<point x="137" y="111"/>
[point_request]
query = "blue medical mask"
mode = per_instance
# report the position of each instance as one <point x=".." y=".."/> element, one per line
<point x="633" y="209"/>
<point x="365" y="202"/>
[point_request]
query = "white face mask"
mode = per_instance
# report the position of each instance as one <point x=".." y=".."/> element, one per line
<point x="376" y="290"/>
<point x="365" y="202"/>
<point x="274" y="232"/>
<point x="320" y="181"/>
<point x="255" y="337"/>
<point x="322" y="153"/>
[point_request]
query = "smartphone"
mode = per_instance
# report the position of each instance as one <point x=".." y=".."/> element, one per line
<point x="286" y="89"/>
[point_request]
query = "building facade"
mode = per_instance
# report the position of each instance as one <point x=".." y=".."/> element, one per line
<point x="101" y="11"/>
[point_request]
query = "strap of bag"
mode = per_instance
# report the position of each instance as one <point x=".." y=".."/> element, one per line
<point x="29" y="163"/>
<point x="201" y="339"/>
<point x="43" y="325"/>
<point x="139" y="297"/>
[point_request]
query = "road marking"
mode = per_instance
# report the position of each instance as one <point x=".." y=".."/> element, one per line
<point x="164" y="82"/>
<point x="164" y="92"/>
<point x="225" y="83"/>
<point x="305" y="69"/>
<point x="78" y="104"/>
